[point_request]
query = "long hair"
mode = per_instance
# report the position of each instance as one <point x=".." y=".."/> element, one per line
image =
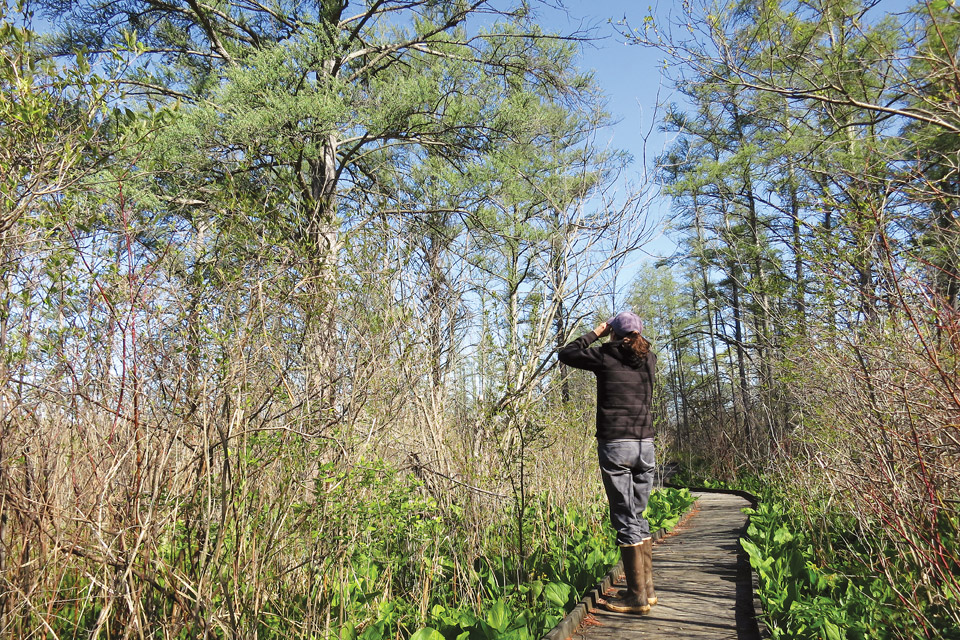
<point x="637" y="344"/>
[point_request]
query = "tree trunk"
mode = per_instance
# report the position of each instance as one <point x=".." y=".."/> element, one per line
<point x="737" y="310"/>
<point x="322" y="238"/>
<point x="800" y="293"/>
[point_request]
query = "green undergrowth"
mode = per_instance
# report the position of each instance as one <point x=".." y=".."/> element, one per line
<point x="816" y="584"/>
<point x="374" y="555"/>
<point x="693" y="477"/>
<point x="686" y="476"/>
<point x="577" y="551"/>
<point x="824" y="575"/>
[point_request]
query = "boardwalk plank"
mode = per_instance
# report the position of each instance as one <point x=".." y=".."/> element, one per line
<point x="698" y="579"/>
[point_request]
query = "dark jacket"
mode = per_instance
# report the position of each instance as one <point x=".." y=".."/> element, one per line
<point x="624" y="386"/>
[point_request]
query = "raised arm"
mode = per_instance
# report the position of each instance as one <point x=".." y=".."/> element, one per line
<point x="579" y="354"/>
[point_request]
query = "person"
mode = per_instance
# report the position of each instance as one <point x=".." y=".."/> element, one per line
<point x="624" y="368"/>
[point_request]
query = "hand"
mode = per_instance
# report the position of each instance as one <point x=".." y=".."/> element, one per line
<point x="602" y="329"/>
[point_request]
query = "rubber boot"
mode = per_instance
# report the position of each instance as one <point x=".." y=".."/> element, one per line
<point x="646" y="550"/>
<point x="635" y="601"/>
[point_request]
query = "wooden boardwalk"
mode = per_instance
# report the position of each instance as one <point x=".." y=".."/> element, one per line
<point x="702" y="579"/>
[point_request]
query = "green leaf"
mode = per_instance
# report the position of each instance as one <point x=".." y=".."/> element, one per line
<point x="499" y="616"/>
<point x="373" y="632"/>
<point x="467" y="619"/>
<point x="426" y="633"/>
<point x="832" y="631"/>
<point x="557" y="593"/>
<point x="782" y="536"/>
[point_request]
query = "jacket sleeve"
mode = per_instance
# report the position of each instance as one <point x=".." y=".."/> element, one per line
<point x="578" y="354"/>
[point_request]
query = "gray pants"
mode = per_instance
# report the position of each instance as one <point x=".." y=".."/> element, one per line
<point x="627" y="468"/>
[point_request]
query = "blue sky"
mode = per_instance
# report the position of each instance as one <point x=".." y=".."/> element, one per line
<point x="630" y="77"/>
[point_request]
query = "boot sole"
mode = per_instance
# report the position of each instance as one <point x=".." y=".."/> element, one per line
<point x="627" y="609"/>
